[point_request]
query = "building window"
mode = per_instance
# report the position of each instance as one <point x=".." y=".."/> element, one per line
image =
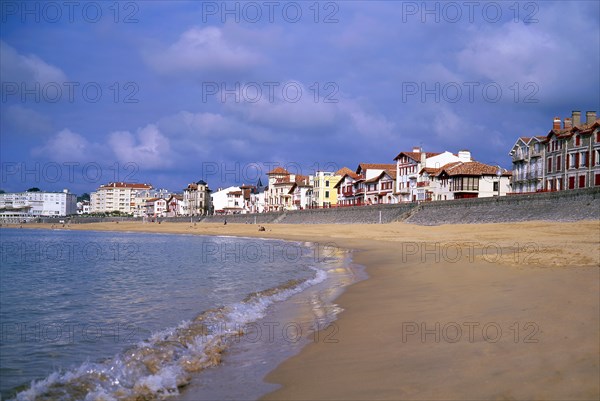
<point x="577" y="140"/>
<point x="327" y="184"/>
<point x="558" y="160"/>
<point x="327" y="194"/>
<point x="496" y="186"/>
<point x="571" y="160"/>
<point x="549" y="164"/>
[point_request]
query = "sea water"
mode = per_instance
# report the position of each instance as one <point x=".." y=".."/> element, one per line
<point x="90" y="315"/>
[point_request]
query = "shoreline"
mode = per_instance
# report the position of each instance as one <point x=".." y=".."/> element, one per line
<point x="532" y="280"/>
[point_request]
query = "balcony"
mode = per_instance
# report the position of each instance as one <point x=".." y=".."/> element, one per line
<point x="422" y="184"/>
<point x="360" y="191"/>
<point x="518" y="156"/>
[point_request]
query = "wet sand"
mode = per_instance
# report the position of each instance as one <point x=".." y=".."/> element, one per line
<point x="458" y="312"/>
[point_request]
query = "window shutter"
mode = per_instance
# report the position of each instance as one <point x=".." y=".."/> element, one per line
<point x="576" y="160"/>
<point x="587" y="159"/>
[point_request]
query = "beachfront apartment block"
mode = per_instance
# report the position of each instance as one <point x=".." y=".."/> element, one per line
<point x="176" y="206"/>
<point x="197" y="199"/>
<point x="279" y="194"/>
<point x="18" y="206"/>
<point x="528" y="164"/>
<point x="228" y="200"/>
<point x="381" y="188"/>
<point x="301" y="193"/>
<point x="142" y="196"/>
<point x="461" y="180"/>
<point x="352" y="187"/>
<point x="347" y="188"/>
<point x="323" y="183"/>
<point x="117" y="197"/>
<point x="243" y="199"/>
<point x="156" y="207"/>
<point x="568" y="157"/>
<point x="410" y="184"/>
<point x="572" y="154"/>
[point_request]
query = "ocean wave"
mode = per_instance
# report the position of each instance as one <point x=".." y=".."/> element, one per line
<point x="156" y="368"/>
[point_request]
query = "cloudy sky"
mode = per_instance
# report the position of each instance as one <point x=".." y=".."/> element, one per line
<point x="173" y="92"/>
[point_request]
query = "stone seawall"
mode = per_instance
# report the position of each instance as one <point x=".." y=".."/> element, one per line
<point x="574" y="205"/>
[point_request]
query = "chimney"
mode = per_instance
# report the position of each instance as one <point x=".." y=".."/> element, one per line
<point x="464" y="155"/>
<point x="568" y="123"/>
<point x="423" y="159"/>
<point x="590" y="117"/>
<point x="556" y="125"/>
<point x="416" y="149"/>
<point x="576" y="116"/>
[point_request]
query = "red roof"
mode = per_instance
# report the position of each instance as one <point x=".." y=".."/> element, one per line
<point x="374" y="166"/>
<point x="350" y="174"/>
<point x="416" y="156"/>
<point x="278" y="170"/>
<point x="343" y="170"/>
<point x="132" y="185"/>
<point x="471" y="169"/>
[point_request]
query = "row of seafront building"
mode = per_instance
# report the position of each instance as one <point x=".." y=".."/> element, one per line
<point x="567" y="157"/>
<point x="415" y="176"/>
<point x="18" y="206"/>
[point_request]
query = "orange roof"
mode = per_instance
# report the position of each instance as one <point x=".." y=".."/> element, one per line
<point x="350" y="174"/>
<point x="299" y="179"/>
<point x="416" y="156"/>
<point x="471" y="168"/>
<point x="374" y="166"/>
<point x="434" y="171"/>
<point x="278" y="170"/>
<point x="132" y="185"/>
<point x="343" y="170"/>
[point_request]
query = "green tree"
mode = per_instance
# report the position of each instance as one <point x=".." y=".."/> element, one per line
<point x="84" y="197"/>
<point x="34" y="189"/>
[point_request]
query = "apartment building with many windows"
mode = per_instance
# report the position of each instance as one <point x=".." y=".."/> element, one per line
<point x="116" y="197"/>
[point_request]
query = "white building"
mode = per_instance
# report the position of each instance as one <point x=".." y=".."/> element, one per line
<point x="301" y="194"/>
<point x="142" y="196"/>
<point x="459" y="180"/>
<point x="256" y="197"/>
<point x="227" y="200"/>
<point x="83" y="207"/>
<point x="380" y="189"/>
<point x="176" y="206"/>
<point x="410" y="185"/>
<point x="27" y="205"/>
<point x="117" y="196"/>
<point x="156" y="207"/>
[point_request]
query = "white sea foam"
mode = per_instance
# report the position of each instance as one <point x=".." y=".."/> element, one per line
<point x="157" y="367"/>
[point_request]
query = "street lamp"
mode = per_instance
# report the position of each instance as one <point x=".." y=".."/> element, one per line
<point x="499" y="175"/>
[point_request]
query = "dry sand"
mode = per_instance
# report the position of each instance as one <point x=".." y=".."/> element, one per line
<point x="461" y="312"/>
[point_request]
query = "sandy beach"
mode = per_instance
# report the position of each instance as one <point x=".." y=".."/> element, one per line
<point x="460" y="312"/>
